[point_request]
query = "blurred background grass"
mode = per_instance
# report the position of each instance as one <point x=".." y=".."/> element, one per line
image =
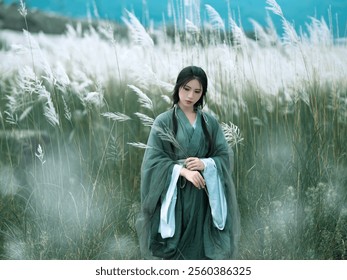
<point x="69" y="180"/>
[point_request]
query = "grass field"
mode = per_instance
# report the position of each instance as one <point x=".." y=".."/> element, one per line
<point x="75" y="108"/>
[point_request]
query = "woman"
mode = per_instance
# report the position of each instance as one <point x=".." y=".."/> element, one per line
<point x="188" y="202"/>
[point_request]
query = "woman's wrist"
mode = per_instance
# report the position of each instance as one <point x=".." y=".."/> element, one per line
<point x="183" y="172"/>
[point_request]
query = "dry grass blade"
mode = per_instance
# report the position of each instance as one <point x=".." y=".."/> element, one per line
<point x="137" y="31"/>
<point x="290" y="34"/>
<point x="118" y="117"/>
<point x="215" y="18"/>
<point x="191" y="27"/>
<point x="139" y="145"/>
<point x="49" y="109"/>
<point x="144" y="100"/>
<point x="22" y="9"/>
<point x="232" y="134"/>
<point x="94" y="98"/>
<point x="40" y="154"/>
<point x="239" y="35"/>
<point x="166" y="134"/>
<point x="145" y="120"/>
<point x="274" y="7"/>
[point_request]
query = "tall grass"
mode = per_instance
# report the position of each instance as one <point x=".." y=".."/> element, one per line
<point x="75" y="109"/>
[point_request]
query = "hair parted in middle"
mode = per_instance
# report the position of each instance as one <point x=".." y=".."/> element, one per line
<point x="185" y="76"/>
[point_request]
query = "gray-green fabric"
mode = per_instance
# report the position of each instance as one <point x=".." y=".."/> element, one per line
<point x="195" y="235"/>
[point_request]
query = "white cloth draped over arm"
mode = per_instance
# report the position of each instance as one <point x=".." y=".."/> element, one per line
<point x="167" y="211"/>
<point x="216" y="194"/>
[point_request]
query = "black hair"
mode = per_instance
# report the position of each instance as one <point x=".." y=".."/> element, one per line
<point x="185" y="76"/>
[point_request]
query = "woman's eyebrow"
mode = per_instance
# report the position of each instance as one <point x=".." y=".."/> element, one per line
<point x="189" y="87"/>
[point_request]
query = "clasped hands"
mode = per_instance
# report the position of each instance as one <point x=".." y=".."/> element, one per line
<point x="191" y="171"/>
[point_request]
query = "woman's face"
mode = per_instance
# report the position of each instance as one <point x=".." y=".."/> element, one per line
<point x="189" y="94"/>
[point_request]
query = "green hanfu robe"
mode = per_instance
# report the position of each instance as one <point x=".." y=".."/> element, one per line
<point x="195" y="234"/>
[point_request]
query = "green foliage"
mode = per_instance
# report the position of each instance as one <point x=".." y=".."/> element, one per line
<point x="290" y="180"/>
<point x="75" y="109"/>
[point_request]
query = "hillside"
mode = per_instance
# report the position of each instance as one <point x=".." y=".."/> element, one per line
<point x="38" y="21"/>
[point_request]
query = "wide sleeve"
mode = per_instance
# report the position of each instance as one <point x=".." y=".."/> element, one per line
<point x="157" y="165"/>
<point x="167" y="210"/>
<point x="222" y="155"/>
<point x="216" y="194"/>
<point x="156" y="173"/>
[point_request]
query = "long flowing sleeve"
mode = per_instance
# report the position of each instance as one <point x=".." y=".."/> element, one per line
<point x="167" y="210"/>
<point x="216" y="194"/>
<point x="156" y="174"/>
<point x="222" y="155"/>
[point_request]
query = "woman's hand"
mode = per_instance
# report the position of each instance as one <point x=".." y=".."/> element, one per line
<point x="194" y="177"/>
<point x="194" y="163"/>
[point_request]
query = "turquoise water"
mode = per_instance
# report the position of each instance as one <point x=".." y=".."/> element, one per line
<point x="296" y="11"/>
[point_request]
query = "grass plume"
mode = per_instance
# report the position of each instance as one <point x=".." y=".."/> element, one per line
<point x="73" y="124"/>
